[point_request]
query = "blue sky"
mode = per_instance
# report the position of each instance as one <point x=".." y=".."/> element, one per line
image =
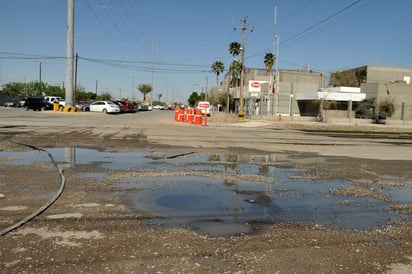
<point x="173" y="43"/>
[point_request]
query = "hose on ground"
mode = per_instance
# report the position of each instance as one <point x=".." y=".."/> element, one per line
<point x="49" y="202"/>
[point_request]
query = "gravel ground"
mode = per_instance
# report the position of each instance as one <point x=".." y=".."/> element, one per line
<point x="88" y="230"/>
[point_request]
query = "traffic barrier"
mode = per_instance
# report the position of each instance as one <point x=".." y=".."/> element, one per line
<point x="190" y="116"/>
<point x="181" y="115"/>
<point x="198" y="117"/>
<point x="205" y="120"/>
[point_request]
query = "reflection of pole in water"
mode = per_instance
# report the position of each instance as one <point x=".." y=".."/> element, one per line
<point x="70" y="156"/>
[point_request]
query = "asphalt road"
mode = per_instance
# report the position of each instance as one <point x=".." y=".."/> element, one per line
<point x="359" y="140"/>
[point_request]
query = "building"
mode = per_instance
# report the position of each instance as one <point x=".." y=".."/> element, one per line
<point x="388" y="84"/>
<point x="258" y="95"/>
<point x="342" y="101"/>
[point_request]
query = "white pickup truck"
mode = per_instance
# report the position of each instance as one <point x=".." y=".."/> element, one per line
<point x="53" y="99"/>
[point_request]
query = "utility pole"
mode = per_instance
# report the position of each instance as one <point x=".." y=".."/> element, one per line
<point x="277" y="73"/>
<point x="69" y="53"/>
<point x="206" y="92"/>
<point x="244" y="28"/>
<point x="40" y="72"/>
<point x="75" y="80"/>
<point x="151" y="95"/>
<point x="133" y="87"/>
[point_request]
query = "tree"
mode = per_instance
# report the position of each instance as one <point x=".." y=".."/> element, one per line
<point x="193" y="98"/>
<point x="269" y="60"/>
<point x="145" y="89"/>
<point x="13" y="89"/>
<point x="217" y="68"/>
<point x="104" y="96"/>
<point x="234" y="49"/>
<point x="235" y="69"/>
<point x="344" y="78"/>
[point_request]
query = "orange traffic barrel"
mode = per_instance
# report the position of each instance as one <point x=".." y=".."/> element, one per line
<point x="190" y="115"/>
<point x="176" y="114"/>
<point x="181" y="115"/>
<point x="198" y="117"/>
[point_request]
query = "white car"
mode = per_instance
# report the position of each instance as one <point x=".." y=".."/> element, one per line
<point x="105" y="106"/>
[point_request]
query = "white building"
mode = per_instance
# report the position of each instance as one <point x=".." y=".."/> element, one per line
<point x="338" y="99"/>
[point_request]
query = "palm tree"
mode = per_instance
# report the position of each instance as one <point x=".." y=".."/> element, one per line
<point x="234" y="49"/>
<point x="269" y="61"/>
<point x="217" y="68"/>
<point x="235" y="69"/>
<point x="144" y="88"/>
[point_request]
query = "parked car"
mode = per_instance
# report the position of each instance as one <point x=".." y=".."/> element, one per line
<point x="12" y="104"/>
<point x="144" y="107"/>
<point x="130" y="106"/>
<point x="37" y="103"/>
<point x="137" y="106"/>
<point x="104" y="106"/>
<point x="122" y="105"/>
<point x="56" y="99"/>
<point x="83" y="106"/>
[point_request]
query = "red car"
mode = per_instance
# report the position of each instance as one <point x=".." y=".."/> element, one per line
<point x="122" y="106"/>
<point x="126" y="106"/>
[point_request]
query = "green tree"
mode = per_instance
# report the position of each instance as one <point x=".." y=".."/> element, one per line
<point x="55" y="90"/>
<point x="344" y="78"/>
<point x="13" y="89"/>
<point x="386" y="108"/>
<point x="194" y="98"/>
<point x="234" y="49"/>
<point x="104" y="96"/>
<point x="145" y="89"/>
<point x="235" y="69"/>
<point x="269" y="60"/>
<point x="217" y="68"/>
<point x="83" y="95"/>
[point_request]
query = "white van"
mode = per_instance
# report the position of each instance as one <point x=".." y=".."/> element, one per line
<point x="204" y="107"/>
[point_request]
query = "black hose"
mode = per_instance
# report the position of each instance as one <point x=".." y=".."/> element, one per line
<point x="49" y="202"/>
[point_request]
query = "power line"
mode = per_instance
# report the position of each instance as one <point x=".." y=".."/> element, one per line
<point x="304" y="33"/>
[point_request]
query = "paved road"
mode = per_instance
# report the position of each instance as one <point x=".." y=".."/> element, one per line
<point x="159" y="127"/>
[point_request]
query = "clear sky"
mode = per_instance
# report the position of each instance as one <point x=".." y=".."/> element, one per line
<point x="173" y="43"/>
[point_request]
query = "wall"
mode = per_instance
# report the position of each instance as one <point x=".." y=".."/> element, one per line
<point x="399" y="93"/>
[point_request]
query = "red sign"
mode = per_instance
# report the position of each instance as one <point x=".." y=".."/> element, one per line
<point x="255" y="84"/>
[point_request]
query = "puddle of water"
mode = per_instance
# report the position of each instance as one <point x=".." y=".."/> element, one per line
<point x="216" y="207"/>
<point x="201" y="203"/>
<point x="23" y="158"/>
<point x="211" y="207"/>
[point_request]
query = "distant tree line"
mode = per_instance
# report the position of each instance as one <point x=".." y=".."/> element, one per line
<point x="39" y="89"/>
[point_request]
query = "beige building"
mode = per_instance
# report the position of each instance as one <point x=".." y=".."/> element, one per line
<point x="257" y="95"/>
<point x="388" y="83"/>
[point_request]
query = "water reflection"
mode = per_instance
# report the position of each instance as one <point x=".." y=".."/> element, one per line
<point x="218" y="205"/>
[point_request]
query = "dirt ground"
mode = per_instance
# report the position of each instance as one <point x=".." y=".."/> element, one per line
<point x="87" y="230"/>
